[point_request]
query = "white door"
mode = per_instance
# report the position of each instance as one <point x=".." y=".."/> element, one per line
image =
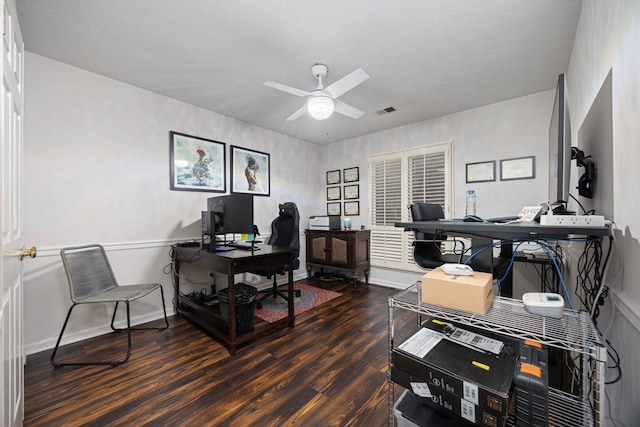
<point x="11" y="334"/>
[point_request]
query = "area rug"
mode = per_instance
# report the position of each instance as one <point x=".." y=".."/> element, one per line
<point x="275" y="309"/>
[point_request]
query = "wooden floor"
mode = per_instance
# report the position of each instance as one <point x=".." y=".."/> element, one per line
<point x="330" y="370"/>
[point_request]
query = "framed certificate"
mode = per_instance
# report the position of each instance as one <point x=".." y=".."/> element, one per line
<point x="481" y="172"/>
<point x="333" y="208"/>
<point x="333" y="193"/>
<point x="352" y="208"/>
<point x="351" y="174"/>
<point x="352" y="191"/>
<point x="518" y="168"/>
<point x="333" y="177"/>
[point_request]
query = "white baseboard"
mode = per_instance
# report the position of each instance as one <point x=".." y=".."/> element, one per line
<point x="628" y="307"/>
<point x="49" y="343"/>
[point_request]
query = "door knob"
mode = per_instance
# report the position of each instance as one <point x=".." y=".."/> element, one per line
<point x="30" y="252"/>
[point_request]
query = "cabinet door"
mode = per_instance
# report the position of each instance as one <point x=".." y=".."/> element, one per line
<point x="317" y="248"/>
<point x="340" y="250"/>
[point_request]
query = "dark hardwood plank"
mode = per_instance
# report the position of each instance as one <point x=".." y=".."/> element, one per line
<point x="330" y="370"/>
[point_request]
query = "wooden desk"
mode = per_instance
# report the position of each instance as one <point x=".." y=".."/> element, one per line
<point x="230" y="263"/>
<point x="483" y="234"/>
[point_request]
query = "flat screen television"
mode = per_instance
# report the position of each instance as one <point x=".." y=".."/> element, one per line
<point x="231" y="213"/>
<point x="560" y="147"/>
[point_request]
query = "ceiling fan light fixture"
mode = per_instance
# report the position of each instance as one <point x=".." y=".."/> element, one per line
<point x="320" y="107"/>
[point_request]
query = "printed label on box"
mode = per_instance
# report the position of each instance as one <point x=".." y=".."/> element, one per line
<point x="470" y="392"/>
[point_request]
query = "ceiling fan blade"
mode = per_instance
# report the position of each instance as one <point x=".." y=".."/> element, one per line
<point x="347" y="110"/>
<point x="288" y="89"/>
<point x="347" y="83"/>
<point x="298" y="113"/>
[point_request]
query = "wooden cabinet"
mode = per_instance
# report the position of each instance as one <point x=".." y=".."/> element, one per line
<point x="339" y="250"/>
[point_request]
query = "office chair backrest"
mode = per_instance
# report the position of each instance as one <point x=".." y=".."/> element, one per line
<point x="427" y="212"/>
<point x="285" y="229"/>
<point x="88" y="271"/>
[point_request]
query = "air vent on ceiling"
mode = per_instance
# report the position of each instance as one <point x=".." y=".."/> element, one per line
<point x="386" y="111"/>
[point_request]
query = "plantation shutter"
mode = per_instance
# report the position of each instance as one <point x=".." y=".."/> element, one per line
<point x="397" y="180"/>
<point x="386" y="209"/>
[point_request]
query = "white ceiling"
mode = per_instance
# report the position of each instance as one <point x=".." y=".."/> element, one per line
<point x="426" y="58"/>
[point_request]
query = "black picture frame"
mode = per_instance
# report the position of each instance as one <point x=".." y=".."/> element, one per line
<point x="250" y="171"/>
<point x="197" y="164"/>
<point x="352" y="208"/>
<point x="334" y="193"/>
<point x="334" y="208"/>
<point x="333" y="177"/>
<point x="480" y="172"/>
<point x="351" y="192"/>
<point x="351" y="174"/>
<point x="518" y="168"/>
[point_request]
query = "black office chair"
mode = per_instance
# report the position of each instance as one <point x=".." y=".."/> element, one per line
<point x="427" y="247"/>
<point x="285" y="232"/>
<point x="427" y="252"/>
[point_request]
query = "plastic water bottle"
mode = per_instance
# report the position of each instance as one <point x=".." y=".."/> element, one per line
<point x="471" y="203"/>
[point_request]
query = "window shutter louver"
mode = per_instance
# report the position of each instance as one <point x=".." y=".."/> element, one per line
<point x="397" y="180"/>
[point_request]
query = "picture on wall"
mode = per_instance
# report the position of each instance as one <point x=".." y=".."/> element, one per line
<point x="352" y="208"/>
<point x="333" y="177"/>
<point x="334" y="208"/>
<point x="351" y="174"/>
<point x="250" y="172"/>
<point x="196" y="164"/>
<point x="333" y="193"/>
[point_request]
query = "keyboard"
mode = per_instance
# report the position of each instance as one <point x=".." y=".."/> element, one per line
<point x="243" y="246"/>
<point x="503" y="218"/>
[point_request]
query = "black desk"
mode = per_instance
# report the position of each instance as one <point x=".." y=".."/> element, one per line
<point x="231" y="263"/>
<point x="482" y="234"/>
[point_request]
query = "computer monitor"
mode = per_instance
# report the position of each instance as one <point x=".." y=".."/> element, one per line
<point x="560" y="147"/>
<point x="231" y="213"/>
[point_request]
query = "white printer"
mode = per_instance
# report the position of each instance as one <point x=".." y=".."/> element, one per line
<point x="324" y="222"/>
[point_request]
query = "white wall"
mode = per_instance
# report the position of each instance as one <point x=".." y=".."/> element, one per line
<point x="97" y="170"/>
<point x="514" y="128"/>
<point x="607" y="39"/>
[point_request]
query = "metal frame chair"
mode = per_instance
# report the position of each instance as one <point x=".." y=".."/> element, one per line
<point x="91" y="281"/>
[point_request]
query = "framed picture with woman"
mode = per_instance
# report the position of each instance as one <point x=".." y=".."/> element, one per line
<point x="250" y="171"/>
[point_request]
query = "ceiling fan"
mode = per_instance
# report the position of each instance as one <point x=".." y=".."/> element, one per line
<point x="322" y="102"/>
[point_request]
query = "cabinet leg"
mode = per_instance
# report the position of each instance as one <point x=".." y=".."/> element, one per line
<point x="366" y="277"/>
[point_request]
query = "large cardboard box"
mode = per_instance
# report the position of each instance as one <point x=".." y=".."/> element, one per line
<point x="469" y="293"/>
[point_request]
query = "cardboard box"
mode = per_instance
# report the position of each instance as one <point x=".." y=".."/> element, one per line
<point x="469" y="293"/>
<point x="481" y="378"/>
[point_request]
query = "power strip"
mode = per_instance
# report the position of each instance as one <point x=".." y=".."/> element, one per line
<point x="573" y="220"/>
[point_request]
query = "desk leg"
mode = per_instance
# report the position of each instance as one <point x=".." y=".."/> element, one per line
<point x="176" y="279"/>
<point x="506" y="252"/>
<point x="232" y="310"/>
<point x="290" y="288"/>
<point x="484" y="261"/>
